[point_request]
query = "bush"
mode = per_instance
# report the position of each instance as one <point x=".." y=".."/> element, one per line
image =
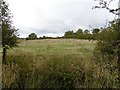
<point x="105" y="54"/>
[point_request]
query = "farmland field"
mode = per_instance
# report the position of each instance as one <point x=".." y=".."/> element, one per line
<point x="55" y="63"/>
<point x="58" y="46"/>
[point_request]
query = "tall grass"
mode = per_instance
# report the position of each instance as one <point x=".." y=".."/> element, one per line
<point x="57" y="64"/>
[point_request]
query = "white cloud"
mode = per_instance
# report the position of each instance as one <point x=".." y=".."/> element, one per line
<point x="54" y="17"/>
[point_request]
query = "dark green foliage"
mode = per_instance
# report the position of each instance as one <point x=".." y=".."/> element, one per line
<point x="68" y="34"/>
<point x="95" y="31"/>
<point x="79" y="31"/>
<point x="79" y="34"/>
<point x="106" y="51"/>
<point x="46" y="37"/>
<point x="31" y="36"/>
<point x="9" y="33"/>
<point x="86" y="32"/>
<point x="107" y="40"/>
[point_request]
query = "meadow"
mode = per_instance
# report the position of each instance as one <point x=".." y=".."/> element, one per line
<point x="56" y="63"/>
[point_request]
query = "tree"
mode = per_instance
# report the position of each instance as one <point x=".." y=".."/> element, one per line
<point x="9" y="33"/>
<point x="68" y="34"/>
<point x="32" y="36"/>
<point x="115" y="30"/>
<point x="95" y="31"/>
<point x="86" y="31"/>
<point x="104" y="4"/>
<point x="79" y="34"/>
<point x="79" y="31"/>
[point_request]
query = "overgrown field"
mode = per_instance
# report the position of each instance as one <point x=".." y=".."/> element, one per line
<point x="57" y="63"/>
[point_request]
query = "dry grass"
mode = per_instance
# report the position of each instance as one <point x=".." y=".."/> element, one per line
<point x="57" y="63"/>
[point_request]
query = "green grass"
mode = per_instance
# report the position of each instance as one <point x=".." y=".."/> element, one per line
<point x="62" y="46"/>
<point x="56" y="63"/>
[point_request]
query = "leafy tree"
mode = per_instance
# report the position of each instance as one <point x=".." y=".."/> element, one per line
<point x="79" y="31"/>
<point x="79" y="34"/>
<point x="87" y="35"/>
<point x="9" y="33"/>
<point x="68" y="34"/>
<point x="95" y="31"/>
<point x="32" y="36"/>
<point x="44" y="37"/>
<point x="86" y="31"/>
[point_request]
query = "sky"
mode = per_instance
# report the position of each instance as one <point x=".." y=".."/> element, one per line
<point x="55" y="17"/>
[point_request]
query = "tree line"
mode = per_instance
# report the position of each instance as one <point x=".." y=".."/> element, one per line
<point x="79" y="34"/>
<point x="82" y="34"/>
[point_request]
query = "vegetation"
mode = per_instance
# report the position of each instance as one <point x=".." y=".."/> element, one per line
<point x="80" y="34"/>
<point x="62" y="63"/>
<point x="57" y="63"/>
<point x="43" y="66"/>
<point x="9" y="33"/>
<point x="31" y="36"/>
<point x="95" y="31"/>
<point x="110" y="47"/>
<point x="107" y="47"/>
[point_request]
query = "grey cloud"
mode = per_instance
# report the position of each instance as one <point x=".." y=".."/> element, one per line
<point x="57" y="16"/>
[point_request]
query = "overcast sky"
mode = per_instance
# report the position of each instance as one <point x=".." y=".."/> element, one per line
<point x="54" y="17"/>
